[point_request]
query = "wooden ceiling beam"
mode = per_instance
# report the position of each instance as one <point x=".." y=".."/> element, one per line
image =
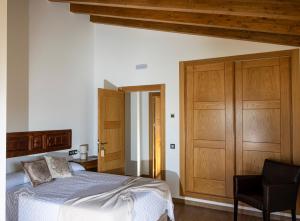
<point x="278" y="26"/>
<point x="285" y="9"/>
<point x="198" y="30"/>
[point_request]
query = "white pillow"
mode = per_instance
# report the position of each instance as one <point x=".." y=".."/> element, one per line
<point x="15" y="179"/>
<point x="75" y="167"/>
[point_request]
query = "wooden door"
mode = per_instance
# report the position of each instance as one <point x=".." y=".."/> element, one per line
<point x="263" y="107"/>
<point x="209" y="128"/>
<point x="155" y="135"/>
<point x="111" y="123"/>
<point x="157" y="138"/>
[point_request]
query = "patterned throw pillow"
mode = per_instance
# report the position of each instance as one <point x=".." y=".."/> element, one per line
<point x="58" y="166"/>
<point x="37" y="171"/>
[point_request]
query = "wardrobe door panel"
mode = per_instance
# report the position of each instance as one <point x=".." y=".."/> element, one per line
<point x="262" y="113"/>
<point x="254" y="160"/>
<point x="209" y="163"/>
<point x="209" y="84"/>
<point x="210" y="187"/>
<point x="209" y="129"/>
<point x="212" y="119"/>
<point x="261" y="126"/>
<point x="261" y="82"/>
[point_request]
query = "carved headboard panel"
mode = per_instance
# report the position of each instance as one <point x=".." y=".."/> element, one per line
<point x="33" y="142"/>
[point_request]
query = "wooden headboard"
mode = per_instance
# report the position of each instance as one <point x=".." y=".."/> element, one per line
<point x="34" y="142"/>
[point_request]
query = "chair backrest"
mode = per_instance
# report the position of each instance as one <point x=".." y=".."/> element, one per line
<point x="280" y="173"/>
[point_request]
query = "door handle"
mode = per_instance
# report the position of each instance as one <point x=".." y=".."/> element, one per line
<point x="101" y="148"/>
<point x="102" y="145"/>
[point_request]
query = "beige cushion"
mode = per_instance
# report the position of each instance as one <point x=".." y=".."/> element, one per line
<point x="37" y="171"/>
<point x="58" y="166"/>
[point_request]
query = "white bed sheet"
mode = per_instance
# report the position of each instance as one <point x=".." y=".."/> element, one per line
<point x="43" y="202"/>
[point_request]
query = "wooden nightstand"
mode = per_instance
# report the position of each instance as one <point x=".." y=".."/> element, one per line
<point x="91" y="164"/>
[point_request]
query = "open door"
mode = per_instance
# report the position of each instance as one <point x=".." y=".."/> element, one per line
<point x="111" y="132"/>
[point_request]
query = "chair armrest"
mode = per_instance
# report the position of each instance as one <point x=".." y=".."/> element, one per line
<point x="280" y="196"/>
<point x="248" y="183"/>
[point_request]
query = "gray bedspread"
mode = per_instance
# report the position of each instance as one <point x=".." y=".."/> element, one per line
<point x="81" y="185"/>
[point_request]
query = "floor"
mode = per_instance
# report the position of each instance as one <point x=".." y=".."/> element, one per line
<point x="193" y="213"/>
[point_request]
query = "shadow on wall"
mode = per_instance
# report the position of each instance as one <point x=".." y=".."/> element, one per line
<point x="131" y="167"/>
<point x="173" y="180"/>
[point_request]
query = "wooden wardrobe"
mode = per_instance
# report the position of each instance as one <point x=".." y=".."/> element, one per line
<point x="235" y="113"/>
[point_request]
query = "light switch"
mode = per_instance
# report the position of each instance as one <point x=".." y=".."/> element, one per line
<point x="172" y="146"/>
<point x="73" y="152"/>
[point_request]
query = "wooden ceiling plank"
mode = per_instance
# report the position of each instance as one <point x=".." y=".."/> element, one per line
<point x="278" y="26"/>
<point x="198" y="30"/>
<point x="285" y="9"/>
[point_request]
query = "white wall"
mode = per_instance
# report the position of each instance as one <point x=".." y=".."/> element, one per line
<point x="17" y="66"/>
<point x="132" y="161"/>
<point x="118" y="50"/>
<point x="144" y="126"/>
<point x="61" y="69"/>
<point x="137" y="141"/>
<point x="3" y="78"/>
<point x="130" y="166"/>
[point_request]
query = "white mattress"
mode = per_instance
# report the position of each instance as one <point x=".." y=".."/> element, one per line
<point x="42" y="203"/>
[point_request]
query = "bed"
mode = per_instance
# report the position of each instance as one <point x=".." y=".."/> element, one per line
<point x="62" y="198"/>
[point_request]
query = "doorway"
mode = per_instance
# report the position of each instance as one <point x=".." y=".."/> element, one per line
<point x="140" y="145"/>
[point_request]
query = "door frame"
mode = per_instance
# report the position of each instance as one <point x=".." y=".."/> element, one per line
<point x="295" y="91"/>
<point x="162" y="89"/>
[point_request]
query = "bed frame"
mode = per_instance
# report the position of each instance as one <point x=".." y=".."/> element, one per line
<point x="34" y="142"/>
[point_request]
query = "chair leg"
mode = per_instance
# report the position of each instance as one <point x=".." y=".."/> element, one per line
<point x="294" y="215"/>
<point x="266" y="215"/>
<point x="236" y="208"/>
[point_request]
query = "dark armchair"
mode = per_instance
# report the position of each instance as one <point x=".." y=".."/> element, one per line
<point x="273" y="191"/>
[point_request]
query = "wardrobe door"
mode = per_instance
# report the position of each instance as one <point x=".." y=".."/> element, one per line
<point x="209" y="128"/>
<point x="263" y="120"/>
